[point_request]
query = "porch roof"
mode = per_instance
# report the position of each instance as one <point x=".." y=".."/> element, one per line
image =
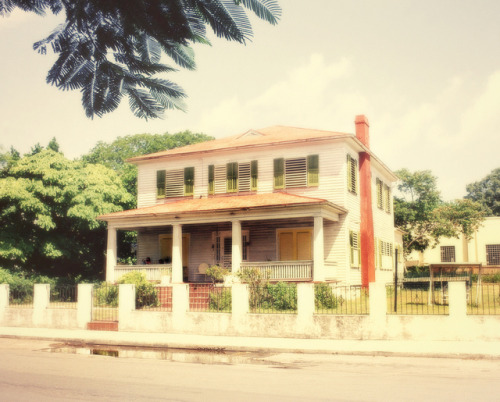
<point x="225" y="205"/>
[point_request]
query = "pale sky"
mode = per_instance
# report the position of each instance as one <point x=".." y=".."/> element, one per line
<point x="426" y="73"/>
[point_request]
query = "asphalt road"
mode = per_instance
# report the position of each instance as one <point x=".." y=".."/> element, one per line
<point x="39" y="371"/>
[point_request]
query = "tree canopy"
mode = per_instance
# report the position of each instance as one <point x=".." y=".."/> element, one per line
<point x="48" y="210"/>
<point x="112" y="49"/>
<point x="115" y="154"/>
<point x="487" y="192"/>
<point x="424" y="217"/>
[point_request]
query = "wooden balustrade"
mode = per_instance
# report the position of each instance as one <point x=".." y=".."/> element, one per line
<point x="283" y="270"/>
<point x="153" y="272"/>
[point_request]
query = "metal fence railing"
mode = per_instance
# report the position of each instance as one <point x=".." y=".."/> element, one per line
<point x="63" y="296"/>
<point x="157" y="298"/>
<point x="484" y="299"/>
<point x="209" y="298"/>
<point x="273" y="298"/>
<point x="410" y="299"/>
<point x="21" y="297"/>
<point x="331" y="299"/>
<point x="105" y="302"/>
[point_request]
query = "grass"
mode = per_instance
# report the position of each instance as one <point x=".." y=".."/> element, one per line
<point x="349" y="302"/>
<point x="487" y="301"/>
<point x="416" y="302"/>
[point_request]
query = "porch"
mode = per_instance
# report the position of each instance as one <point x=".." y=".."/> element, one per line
<point x="287" y="242"/>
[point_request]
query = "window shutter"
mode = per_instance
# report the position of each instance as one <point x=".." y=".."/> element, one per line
<point x="174" y="183"/>
<point x="295" y="172"/>
<point x="211" y="177"/>
<point x="379" y="194"/>
<point x="232" y="177"/>
<point x="189" y="181"/>
<point x="254" y="174"/>
<point x="313" y="170"/>
<point x="352" y="167"/>
<point x="387" y="198"/>
<point x="279" y="171"/>
<point x="160" y="183"/>
<point x="244" y="179"/>
<point x="220" y="186"/>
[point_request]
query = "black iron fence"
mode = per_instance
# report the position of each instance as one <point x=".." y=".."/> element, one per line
<point x="273" y="298"/>
<point x="484" y="299"/>
<point x="405" y="298"/>
<point x="154" y="299"/>
<point x="63" y="296"/>
<point x="21" y="296"/>
<point x="210" y="298"/>
<point x="105" y="302"/>
<point x="331" y="299"/>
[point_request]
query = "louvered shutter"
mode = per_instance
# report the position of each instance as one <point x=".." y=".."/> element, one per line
<point x="160" y="183"/>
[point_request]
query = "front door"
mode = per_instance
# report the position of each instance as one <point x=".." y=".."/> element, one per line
<point x="294" y="244"/>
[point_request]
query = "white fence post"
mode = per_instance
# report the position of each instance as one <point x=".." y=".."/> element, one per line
<point x="126" y="303"/>
<point x="378" y="300"/>
<point x="180" y="304"/>
<point x="457" y="299"/>
<point x="240" y="303"/>
<point x="4" y="299"/>
<point x="84" y="304"/>
<point x="305" y="300"/>
<point x="41" y="300"/>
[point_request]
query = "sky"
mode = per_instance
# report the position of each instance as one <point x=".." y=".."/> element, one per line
<point x="426" y="73"/>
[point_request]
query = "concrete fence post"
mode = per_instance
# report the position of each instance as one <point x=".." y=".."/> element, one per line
<point x="180" y="304"/>
<point x="84" y="304"/>
<point x="457" y="299"/>
<point x="378" y="300"/>
<point x="4" y="300"/>
<point x="126" y="303"/>
<point x="240" y="303"/>
<point x="41" y="300"/>
<point x="305" y="300"/>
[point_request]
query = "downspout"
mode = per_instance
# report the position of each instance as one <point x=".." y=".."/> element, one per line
<point x="366" y="226"/>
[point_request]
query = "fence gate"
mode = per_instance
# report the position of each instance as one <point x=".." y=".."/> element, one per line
<point x="105" y="303"/>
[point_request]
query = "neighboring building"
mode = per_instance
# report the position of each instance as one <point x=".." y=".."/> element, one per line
<point x="484" y="248"/>
<point x="304" y="205"/>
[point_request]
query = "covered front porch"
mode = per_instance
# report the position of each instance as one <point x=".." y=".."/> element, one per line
<point x="290" y="240"/>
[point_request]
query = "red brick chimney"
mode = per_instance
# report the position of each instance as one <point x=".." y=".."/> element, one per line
<point x="366" y="226"/>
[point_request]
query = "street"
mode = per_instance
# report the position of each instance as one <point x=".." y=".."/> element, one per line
<point x="33" y="370"/>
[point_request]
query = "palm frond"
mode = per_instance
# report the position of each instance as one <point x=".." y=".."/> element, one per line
<point x="143" y="104"/>
<point x="149" y="49"/>
<point x="268" y="10"/>
<point x="182" y="55"/>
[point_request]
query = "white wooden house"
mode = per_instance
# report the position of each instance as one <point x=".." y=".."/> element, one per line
<point x="287" y="200"/>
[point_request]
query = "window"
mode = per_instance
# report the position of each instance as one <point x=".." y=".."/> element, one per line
<point x="175" y="183"/>
<point x="384" y="252"/>
<point x="380" y="200"/>
<point x="255" y="174"/>
<point x="232" y="177"/>
<point x="352" y="174"/>
<point x="387" y="198"/>
<point x="355" y="249"/>
<point x="223" y="247"/>
<point x="493" y="254"/>
<point x="448" y="254"/>
<point x="244" y="176"/>
<point x="294" y="244"/>
<point x="211" y="179"/>
<point x="296" y="172"/>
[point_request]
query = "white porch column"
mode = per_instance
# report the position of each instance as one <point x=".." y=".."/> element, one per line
<point x="177" y="253"/>
<point x="318" y="250"/>
<point x="237" y="248"/>
<point x="111" y="255"/>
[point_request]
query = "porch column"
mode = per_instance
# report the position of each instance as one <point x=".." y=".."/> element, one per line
<point x="237" y="248"/>
<point x="111" y="255"/>
<point x="177" y="253"/>
<point x="318" y="250"/>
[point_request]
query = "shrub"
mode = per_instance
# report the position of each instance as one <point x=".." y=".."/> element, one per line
<point x="217" y="273"/>
<point x="324" y="297"/>
<point x="106" y="295"/>
<point x="220" y="299"/>
<point x="145" y="291"/>
<point x="282" y="296"/>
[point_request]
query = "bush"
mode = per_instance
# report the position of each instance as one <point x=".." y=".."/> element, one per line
<point x="217" y="273"/>
<point x="282" y="296"/>
<point x="220" y="299"/>
<point x="145" y="291"/>
<point x="106" y="295"/>
<point x="324" y="297"/>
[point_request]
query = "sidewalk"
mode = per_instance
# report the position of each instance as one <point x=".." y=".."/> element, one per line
<point x="450" y="349"/>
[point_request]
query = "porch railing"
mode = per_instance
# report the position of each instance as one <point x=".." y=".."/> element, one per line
<point x="283" y="270"/>
<point x="153" y="272"/>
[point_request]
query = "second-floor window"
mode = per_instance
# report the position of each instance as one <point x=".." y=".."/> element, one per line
<point x="296" y="172"/>
<point x="383" y="196"/>
<point x="447" y="254"/>
<point x="233" y="177"/>
<point x="175" y="183"/>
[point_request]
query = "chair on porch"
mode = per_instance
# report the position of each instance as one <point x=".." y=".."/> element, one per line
<point x="201" y="275"/>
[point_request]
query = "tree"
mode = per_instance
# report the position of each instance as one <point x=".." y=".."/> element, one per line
<point x="487" y="193"/>
<point x="112" y="49"/>
<point x="115" y="154"/>
<point x="424" y="218"/>
<point x="48" y="210"/>
<point x="8" y="158"/>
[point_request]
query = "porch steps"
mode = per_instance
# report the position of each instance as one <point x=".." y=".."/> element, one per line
<point x="102" y="326"/>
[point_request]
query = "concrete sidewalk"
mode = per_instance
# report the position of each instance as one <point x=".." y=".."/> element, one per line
<point x="449" y="349"/>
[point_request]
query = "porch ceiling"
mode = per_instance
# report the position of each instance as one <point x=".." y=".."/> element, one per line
<point x="217" y="209"/>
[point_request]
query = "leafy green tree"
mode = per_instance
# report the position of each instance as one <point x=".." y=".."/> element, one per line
<point x="112" y="49"/>
<point x="8" y="158"/>
<point x="48" y="210"/>
<point x="115" y="154"/>
<point x="424" y="218"/>
<point x="487" y="192"/>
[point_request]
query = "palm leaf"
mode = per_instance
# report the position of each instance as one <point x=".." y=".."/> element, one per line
<point x="143" y="104"/>
<point x="268" y="10"/>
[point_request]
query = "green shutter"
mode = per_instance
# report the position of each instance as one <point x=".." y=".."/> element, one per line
<point x="211" y="182"/>
<point x="313" y="170"/>
<point x="232" y="177"/>
<point x="352" y="168"/>
<point x="189" y="181"/>
<point x="279" y="173"/>
<point x="379" y="193"/>
<point x="160" y="183"/>
<point x="254" y="175"/>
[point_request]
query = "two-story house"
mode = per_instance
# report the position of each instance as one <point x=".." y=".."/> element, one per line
<point x="301" y="204"/>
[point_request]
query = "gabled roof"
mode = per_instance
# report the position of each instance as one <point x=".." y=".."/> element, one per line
<point x="253" y="138"/>
<point x="221" y="204"/>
